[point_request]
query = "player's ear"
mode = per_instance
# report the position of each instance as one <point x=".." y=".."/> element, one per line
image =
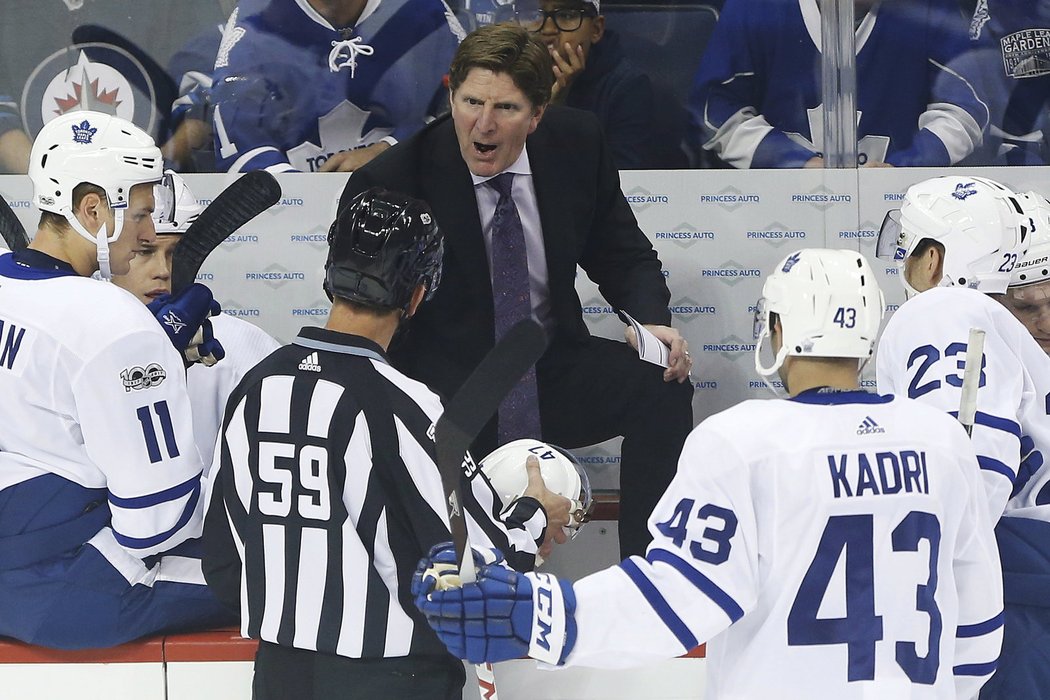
<point x="415" y="301"/>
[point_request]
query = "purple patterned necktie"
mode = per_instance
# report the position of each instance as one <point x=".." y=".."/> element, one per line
<point x="519" y="413"/>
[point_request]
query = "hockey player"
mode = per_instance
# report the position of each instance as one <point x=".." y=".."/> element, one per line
<point x="837" y="542"/>
<point x="150" y="279"/>
<point x="325" y="86"/>
<point x="1028" y="296"/>
<point x="1024" y="542"/>
<point x="99" y="478"/>
<point x="957" y="240"/>
<point x="328" y="481"/>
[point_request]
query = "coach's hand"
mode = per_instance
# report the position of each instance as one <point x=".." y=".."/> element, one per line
<point x="504" y="615"/>
<point x="185" y="318"/>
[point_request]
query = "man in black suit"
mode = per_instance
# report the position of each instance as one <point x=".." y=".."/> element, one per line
<point x="560" y="196"/>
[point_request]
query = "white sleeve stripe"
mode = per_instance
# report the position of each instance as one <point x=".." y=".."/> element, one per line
<point x="250" y="155"/>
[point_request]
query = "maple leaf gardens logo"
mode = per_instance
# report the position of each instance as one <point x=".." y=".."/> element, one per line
<point x="83" y="132"/>
<point x="964" y="190"/>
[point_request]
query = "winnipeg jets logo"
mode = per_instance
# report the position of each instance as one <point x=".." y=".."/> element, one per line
<point x="173" y="322"/>
<point x="964" y="190"/>
<point x="83" y="132"/>
<point x="790" y="262"/>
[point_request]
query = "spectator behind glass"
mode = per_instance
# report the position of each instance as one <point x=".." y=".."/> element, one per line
<point x="326" y="85"/>
<point x="756" y="100"/>
<point x="1010" y="64"/>
<point x="14" y="142"/>
<point x="558" y="177"/>
<point x="591" y="72"/>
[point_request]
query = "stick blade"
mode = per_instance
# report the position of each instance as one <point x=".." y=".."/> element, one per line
<point x="250" y="195"/>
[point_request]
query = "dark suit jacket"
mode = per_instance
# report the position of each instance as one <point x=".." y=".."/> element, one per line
<point x="585" y="218"/>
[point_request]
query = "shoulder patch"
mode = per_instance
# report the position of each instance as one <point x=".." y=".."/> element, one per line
<point x="147" y="377"/>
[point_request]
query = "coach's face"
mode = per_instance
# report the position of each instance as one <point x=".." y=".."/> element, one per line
<point x="493" y="117"/>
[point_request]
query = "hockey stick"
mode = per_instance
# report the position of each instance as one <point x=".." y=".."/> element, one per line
<point x="11" y="228"/>
<point x="971" y="379"/>
<point x="250" y="195"/>
<point x="467" y="413"/>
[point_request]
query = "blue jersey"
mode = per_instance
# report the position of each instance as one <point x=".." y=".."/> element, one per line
<point x="291" y="90"/>
<point x="1011" y="60"/>
<point x="757" y="98"/>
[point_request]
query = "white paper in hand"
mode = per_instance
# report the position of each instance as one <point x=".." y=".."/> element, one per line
<point x="650" y="348"/>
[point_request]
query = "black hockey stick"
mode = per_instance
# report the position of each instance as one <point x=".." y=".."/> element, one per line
<point x="464" y="417"/>
<point x="11" y="228"/>
<point x="250" y="195"/>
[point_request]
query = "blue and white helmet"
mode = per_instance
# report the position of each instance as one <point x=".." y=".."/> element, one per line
<point x="977" y="220"/>
<point x="100" y="149"/>
<point x="1035" y="266"/>
<point x="829" y="305"/>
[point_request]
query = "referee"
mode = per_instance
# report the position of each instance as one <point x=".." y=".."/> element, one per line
<point x="328" y="493"/>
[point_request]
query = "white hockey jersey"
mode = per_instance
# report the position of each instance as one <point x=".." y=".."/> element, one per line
<point x="94" y="392"/>
<point x="839" y="543"/>
<point x="209" y="387"/>
<point x="922" y="355"/>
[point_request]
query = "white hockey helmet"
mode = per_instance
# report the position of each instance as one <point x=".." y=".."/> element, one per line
<point x="1035" y="266"/>
<point x="977" y="220"/>
<point x="96" y="148"/>
<point x="176" y="207"/>
<point x="562" y="474"/>
<point x="829" y="305"/>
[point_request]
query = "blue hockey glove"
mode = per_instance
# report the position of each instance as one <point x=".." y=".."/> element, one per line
<point x="504" y="615"/>
<point x="185" y="318"/>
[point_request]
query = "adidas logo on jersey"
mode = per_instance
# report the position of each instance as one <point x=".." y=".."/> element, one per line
<point x="310" y="363"/>
<point x="869" y="427"/>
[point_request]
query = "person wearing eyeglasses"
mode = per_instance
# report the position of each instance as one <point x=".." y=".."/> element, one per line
<point x="592" y="72"/>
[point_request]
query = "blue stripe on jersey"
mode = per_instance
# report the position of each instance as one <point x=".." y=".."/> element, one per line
<point x="981" y="628"/>
<point x="147" y="542"/>
<point x="835" y="398"/>
<point x="660" y="606"/>
<point x="153" y="499"/>
<point x="995" y="422"/>
<point x="994" y="465"/>
<point x="976" y="669"/>
<point x="29" y="264"/>
<point x="706" y="585"/>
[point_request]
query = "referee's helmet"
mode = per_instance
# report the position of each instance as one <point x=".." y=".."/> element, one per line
<point x="381" y="246"/>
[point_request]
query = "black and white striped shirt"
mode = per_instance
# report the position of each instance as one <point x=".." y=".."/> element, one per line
<point x="327" y="496"/>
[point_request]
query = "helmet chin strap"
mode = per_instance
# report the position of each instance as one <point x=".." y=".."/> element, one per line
<point x="765" y="373"/>
<point x="100" y="239"/>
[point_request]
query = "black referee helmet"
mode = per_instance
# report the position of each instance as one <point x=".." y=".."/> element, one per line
<point x="380" y="248"/>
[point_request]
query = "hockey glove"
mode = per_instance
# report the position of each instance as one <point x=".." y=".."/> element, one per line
<point x="185" y="318"/>
<point x="504" y="615"/>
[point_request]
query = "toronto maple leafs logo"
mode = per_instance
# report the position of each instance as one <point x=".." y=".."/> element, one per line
<point x="790" y="262"/>
<point x="964" y="190"/>
<point x="83" y="132"/>
<point x="174" y="322"/>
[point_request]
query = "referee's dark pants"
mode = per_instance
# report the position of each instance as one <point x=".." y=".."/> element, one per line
<point x="593" y="391"/>
<point x="285" y="673"/>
